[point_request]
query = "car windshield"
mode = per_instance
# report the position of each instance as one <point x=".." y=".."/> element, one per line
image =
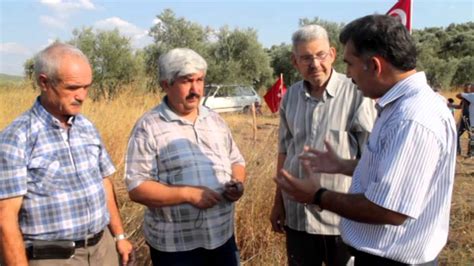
<point x="209" y="90"/>
<point x="246" y="91"/>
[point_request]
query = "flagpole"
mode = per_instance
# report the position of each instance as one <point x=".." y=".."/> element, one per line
<point x="280" y="90"/>
<point x="411" y="15"/>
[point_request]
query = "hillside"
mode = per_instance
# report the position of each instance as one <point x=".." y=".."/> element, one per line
<point x="5" y="79"/>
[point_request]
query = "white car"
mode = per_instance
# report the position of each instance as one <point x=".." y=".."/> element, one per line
<point x="230" y="98"/>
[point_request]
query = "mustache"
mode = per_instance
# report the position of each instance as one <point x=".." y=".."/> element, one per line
<point x="192" y="95"/>
<point x="77" y="102"/>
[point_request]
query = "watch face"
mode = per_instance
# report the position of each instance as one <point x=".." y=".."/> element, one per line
<point x="317" y="198"/>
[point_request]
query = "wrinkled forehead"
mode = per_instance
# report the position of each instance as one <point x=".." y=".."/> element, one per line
<point x="312" y="46"/>
<point x="193" y="75"/>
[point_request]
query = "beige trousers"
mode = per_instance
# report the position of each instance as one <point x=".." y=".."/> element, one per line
<point x="102" y="254"/>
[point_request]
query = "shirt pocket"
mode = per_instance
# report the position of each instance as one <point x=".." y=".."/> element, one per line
<point x="44" y="175"/>
<point x="92" y="149"/>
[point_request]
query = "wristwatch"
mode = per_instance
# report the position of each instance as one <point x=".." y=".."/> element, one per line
<point x="121" y="236"/>
<point x="317" y="198"/>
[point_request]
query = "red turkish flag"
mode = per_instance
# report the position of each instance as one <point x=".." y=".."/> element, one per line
<point x="402" y="10"/>
<point x="275" y="94"/>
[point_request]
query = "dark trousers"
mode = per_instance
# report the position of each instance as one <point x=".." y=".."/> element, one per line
<point x="365" y="259"/>
<point x="307" y="249"/>
<point x="463" y="127"/>
<point x="226" y="254"/>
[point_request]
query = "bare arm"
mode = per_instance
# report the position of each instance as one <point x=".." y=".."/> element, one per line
<point x="12" y="247"/>
<point x="154" y="194"/>
<point x="124" y="247"/>
<point x="238" y="172"/>
<point x="280" y="161"/>
<point x="115" y="224"/>
<point x="277" y="216"/>
<point x="352" y="206"/>
<point x="358" y="208"/>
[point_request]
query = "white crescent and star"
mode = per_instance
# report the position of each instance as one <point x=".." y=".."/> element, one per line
<point x="400" y="14"/>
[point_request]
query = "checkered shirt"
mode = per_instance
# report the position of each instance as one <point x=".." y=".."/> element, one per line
<point x="173" y="151"/>
<point x="61" y="181"/>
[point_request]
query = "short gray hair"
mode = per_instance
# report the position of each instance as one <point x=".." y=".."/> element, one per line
<point x="309" y="33"/>
<point x="180" y="62"/>
<point x="47" y="60"/>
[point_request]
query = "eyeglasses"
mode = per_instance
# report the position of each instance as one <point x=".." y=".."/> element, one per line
<point x="308" y="59"/>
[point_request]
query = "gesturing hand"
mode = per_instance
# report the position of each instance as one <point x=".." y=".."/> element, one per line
<point x="316" y="161"/>
<point x="300" y="190"/>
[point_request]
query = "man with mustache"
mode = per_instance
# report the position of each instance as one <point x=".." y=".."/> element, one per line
<point x="183" y="164"/>
<point x="325" y="105"/>
<point x="57" y="204"/>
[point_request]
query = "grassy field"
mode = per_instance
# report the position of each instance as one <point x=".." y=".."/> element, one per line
<point x="258" y="245"/>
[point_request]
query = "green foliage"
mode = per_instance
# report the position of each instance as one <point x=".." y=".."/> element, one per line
<point x="111" y="57"/>
<point x="446" y="54"/>
<point x="238" y="57"/>
<point x="171" y="32"/>
<point x="440" y="72"/>
<point x="281" y="63"/>
<point x="29" y="69"/>
<point x="233" y="56"/>
<point x="465" y="71"/>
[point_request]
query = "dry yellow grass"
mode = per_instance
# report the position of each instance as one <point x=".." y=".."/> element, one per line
<point x="258" y="244"/>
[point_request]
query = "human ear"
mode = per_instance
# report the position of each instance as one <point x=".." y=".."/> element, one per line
<point x="43" y="82"/>
<point x="293" y="60"/>
<point x="377" y="64"/>
<point x="333" y="52"/>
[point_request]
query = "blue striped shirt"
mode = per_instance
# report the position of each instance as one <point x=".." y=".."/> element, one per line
<point x="407" y="167"/>
<point x="60" y="179"/>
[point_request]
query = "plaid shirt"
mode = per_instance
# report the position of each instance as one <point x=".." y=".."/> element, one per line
<point x="173" y="151"/>
<point x="60" y="179"/>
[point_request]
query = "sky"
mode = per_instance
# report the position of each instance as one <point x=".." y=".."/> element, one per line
<point x="26" y="27"/>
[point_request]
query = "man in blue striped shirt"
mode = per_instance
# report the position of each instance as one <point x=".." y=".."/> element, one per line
<point x="397" y="209"/>
<point x="56" y="201"/>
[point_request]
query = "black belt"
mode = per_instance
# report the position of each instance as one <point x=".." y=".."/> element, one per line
<point x="91" y="241"/>
<point x="59" y="249"/>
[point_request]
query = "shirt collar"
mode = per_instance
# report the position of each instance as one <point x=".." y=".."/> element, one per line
<point x="46" y="117"/>
<point x="408" y="85"/>
<point x="169" y="115"/>
<point x="329" y="92"/>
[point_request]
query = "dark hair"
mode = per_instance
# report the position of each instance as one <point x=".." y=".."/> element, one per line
<point x="384" y="36"/>
<point x="450" y="100"/>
